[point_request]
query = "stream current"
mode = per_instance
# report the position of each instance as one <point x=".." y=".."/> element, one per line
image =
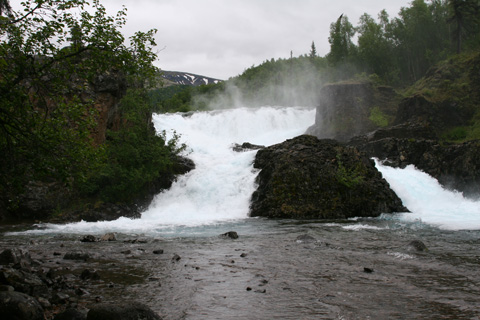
<point x="276" y="269"/>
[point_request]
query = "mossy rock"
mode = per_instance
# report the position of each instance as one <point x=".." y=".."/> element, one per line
<point x="308" y="178"/>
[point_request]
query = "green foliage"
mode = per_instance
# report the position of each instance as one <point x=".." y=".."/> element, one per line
<point x="136" y="156"/>
<point x="378" y="117"/>
<point x="52" y="54"/>
<point x="182" y="98"/>
<point x="455" y="134"/>
<point x="348" y="177"/>
<point x="342" y="48"/>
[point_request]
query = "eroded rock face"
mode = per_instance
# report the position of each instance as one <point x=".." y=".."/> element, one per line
<point x="345" y="109"/>
<point x="308" y="178"/>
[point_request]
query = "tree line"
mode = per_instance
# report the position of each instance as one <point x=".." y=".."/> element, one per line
<point x="395" y="51"/>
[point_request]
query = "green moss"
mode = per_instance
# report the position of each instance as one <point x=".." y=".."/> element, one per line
<point x="455" y="134"/>
<point x="349" y="177"/>
<point x="378" y="117"/>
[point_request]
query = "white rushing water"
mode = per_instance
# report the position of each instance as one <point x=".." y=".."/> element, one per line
<point x="218" y="191"/>
<point x="429" y="202"/>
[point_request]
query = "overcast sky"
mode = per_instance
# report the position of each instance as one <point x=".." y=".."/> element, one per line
<point x="221" y="38"/>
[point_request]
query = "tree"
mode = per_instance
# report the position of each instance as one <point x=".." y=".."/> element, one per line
<point x="374" y="49"/>
<point x="313" y="51"/>
<point x="341" y="45"/>
<point x="464" y="14"/>
<point x="5" y="7"/>
<point x="45" y="124"/>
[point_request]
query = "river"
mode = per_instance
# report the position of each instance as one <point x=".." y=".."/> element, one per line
<point x="276" y="269"/>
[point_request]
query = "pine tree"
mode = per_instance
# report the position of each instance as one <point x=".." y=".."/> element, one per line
<point x="5" y="7"/>
<point x="313" y="51"/>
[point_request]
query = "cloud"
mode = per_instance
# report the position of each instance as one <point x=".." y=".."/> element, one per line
<point x="221" y="38"/>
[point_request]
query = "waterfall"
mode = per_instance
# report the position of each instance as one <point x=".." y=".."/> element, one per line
<point x="217" y="192"/>
<point x="429" y="202"/>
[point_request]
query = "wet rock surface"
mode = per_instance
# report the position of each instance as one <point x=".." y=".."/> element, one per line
<point x="305" y="177"/>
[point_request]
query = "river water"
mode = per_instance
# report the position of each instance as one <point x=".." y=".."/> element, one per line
<point x="276" y="269"/>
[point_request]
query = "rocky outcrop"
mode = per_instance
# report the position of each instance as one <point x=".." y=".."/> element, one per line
<point x="308" y="178"/>
<point x="455" y="166"/>
<point x="348" y="109"/>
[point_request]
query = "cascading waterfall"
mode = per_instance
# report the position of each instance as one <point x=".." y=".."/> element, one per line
<point x="429" y="202"/>
<point x="218" y="191"/>
<point x="220" y="187"/>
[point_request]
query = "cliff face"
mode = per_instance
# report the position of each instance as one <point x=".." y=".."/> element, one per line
<point x="106" y="93"/>
<point x="349" y="109"/>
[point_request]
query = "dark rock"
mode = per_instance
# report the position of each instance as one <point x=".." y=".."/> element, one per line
<point x="176" y="258"/>
<point x="71" y="314"/>
<point x="6" y="288"/>
<point x="246" y="146"/>
<point x="243" y="255"/>
<point x="417" y="245"/>
<point x="108" y="237"/>
<point x="15" y="256"/>
<point x="158" y="251"/>
<point x="88" y="274"/>
<point x="23" y="281"/>
<point x="19" y="306"/>
<point x="305" y="238"/>
<point x="60" y="298"/>
<point x="230" y="234"/>
<point x="308" y="178"/>
<point x="125" y="311"/>
<point x="76" y="255"/>
<point x="44" y="302"/>
<point x="88" y="238"/>
<point x="367" y="270"/>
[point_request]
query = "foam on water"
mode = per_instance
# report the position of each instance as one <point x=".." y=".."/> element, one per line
<point x="218" y="190"/>
<point x="429" y="202"/>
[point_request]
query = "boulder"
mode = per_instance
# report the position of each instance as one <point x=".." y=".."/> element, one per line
<point x="19" y="306"/>
<point x="71" y="314"/>
<point x="125" y="311"/>
<point x="23" y="281"/>
<point x="76" y="255"/>
<point x="246" y="146"/>
<point x="15" y="256"/>
<point x="308" y="178"/>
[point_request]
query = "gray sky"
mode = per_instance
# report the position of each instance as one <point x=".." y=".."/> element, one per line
<point x="221" y="38"/>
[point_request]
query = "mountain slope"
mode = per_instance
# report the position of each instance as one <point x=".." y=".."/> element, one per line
<point x="185" y="78"/>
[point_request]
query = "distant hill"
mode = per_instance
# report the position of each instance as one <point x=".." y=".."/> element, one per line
<point x="186" y="78"/>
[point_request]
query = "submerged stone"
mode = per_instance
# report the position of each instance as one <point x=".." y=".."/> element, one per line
<point x="230" y="234"/>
